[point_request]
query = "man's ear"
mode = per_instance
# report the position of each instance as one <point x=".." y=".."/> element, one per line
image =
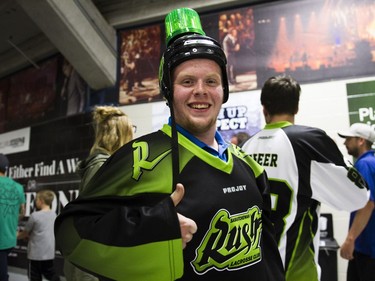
<point x="362" y="141"/>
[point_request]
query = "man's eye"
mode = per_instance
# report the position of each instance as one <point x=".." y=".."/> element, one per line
<point x="187" y="82"/>
<point x="212" y="82"/>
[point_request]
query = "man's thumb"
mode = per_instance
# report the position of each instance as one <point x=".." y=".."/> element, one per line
<point x="178" y="194"/>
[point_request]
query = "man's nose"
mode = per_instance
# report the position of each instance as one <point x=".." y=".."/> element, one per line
<point x="200" y="87"/>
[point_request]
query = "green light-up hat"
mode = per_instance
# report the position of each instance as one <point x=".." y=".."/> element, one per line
<point x="186" y="40"/>
<point x="182" y="21"/>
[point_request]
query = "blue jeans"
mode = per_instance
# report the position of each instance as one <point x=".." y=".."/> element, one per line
<point x="4" y="264"/>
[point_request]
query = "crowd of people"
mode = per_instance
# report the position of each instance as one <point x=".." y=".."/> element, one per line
<point x="183" y="204"/>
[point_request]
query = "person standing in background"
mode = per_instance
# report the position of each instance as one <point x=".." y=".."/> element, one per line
<point x="73" y="90"/>
<point x="12" y="209"/>
<point x="305" y="168"/>
<point x="231" y="47"/>
<point x="240" y="138"/>
<point x="359" y="245"/>
<point x="112" y="129"/>
<point x="41" y="241"/>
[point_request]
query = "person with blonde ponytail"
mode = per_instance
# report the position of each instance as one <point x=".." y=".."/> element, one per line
<point x="112" y="129"/>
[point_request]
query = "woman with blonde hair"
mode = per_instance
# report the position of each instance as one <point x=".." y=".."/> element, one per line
<point x="113" y="129"/>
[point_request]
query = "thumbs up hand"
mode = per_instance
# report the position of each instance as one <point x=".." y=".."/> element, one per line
<point x="187" y="226"/>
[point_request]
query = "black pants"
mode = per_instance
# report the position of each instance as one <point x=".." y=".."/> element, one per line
<point x="4" y="264"/>
<point x="361" y="268"/>
<point x="38" y="269"/>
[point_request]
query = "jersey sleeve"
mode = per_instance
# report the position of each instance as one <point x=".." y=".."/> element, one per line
<point x="131" y="236"/>
<point x="337" y="186"/>
<point x="120" y="225"/>
<point x="332" y="181"/>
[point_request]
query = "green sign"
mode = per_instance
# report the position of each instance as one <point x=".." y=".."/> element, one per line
<point x="361" y="101"/>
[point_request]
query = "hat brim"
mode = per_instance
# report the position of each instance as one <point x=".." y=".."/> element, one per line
<point x="346" y="135"/>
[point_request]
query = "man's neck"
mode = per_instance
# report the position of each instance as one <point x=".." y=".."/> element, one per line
<point x="209" y="139"/>
<point x="279" y="118"/>
<point x="361" y="151"/>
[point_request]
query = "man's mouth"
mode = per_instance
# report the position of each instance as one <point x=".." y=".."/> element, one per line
<point x="199" y="106"/>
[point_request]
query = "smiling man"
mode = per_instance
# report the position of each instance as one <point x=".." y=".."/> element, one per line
<point x="160" y="207"/>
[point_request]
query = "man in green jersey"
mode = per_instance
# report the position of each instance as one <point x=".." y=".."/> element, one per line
<point x="124" y="225"/>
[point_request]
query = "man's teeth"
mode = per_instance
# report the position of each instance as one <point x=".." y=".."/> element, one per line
<point x="199" y="106"/>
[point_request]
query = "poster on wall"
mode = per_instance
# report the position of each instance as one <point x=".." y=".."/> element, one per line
<point x="35" y="95"/>
<point x="242" y="113"/>
<point x="361" y="102"/>
<point x="311" y="40"/>
<point x="19" y="93"/>
<point x="139" y="61"/>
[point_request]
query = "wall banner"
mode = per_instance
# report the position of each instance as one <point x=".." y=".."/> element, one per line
<point x="361" y="101"/>
<point x="15" y="141"/>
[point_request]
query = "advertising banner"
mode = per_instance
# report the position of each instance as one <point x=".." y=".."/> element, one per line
<point x="48" y="161"/>
<point x="361" y="102"/>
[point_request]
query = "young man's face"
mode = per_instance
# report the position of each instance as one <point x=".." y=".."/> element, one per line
<point x="197" y="95"/>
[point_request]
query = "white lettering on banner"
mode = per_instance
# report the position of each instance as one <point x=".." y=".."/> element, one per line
<point x="60" y="201"/>
<point x="368" y="112"/>
<point x="71" y="164"/>
<point x="42" y="169"/>
<point x="232" y="111"/>
<point x="231" y="124"/>
<point x="232" y="118"/>
<point x="45" y="170"/>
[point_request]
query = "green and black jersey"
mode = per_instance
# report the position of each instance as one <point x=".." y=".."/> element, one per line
<point x="305" y="168"/>
<point x="123" y="226"/>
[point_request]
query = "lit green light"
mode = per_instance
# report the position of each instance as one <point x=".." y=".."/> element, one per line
<point x="182" y="20"/>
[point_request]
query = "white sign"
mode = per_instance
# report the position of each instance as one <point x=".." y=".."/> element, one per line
<point x="15" y="141"/>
